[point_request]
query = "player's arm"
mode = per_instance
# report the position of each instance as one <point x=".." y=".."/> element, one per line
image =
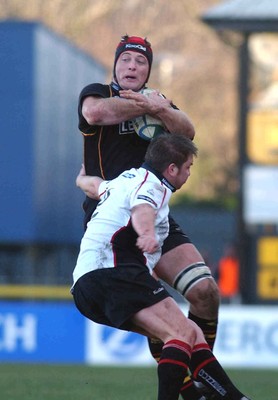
<point x="112" y="110"/>
<point x="175" y="120"/>
<point x="143" y="221"/>
<point x="89" y="184"/>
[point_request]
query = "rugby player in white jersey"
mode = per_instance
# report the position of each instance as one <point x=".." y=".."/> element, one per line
<point x="113" y="283"/>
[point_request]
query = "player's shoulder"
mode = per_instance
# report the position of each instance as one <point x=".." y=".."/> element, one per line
<point x="129" y="176"/>
<point x="133" y="176"/>
<point x="95" y="89"/>
<point x="127" y="180"/>
<point x="147" y="180"/>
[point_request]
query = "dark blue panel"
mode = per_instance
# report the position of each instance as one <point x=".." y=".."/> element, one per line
<point x="40" y="145"/>
<point x="16" y="94"/>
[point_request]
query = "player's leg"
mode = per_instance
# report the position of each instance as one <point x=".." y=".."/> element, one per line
<point x="101" y="296"/>
<point x="184" y="345"/>
<point x="183" y="268"/>
<point x="166" y="321"/>
<point x="196" y="284"/>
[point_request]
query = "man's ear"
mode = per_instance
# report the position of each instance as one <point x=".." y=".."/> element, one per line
<point x="172" y="169"/>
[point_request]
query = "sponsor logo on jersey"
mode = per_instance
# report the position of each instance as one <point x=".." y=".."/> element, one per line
<point x="128" y="175"/>
<point x="126" y="128"/>
<point x="146" y="198"/>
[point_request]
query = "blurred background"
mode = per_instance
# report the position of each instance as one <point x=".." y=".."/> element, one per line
<point x="218" y="61"/>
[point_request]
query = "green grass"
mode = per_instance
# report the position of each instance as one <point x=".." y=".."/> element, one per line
<point x="68" y="382"/>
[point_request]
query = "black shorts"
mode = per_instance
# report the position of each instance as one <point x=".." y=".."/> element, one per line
<point x="111" y="296"/>
<point x="175" y="238"/>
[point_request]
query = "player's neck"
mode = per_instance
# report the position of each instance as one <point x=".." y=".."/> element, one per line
<point x="159" y="176"/>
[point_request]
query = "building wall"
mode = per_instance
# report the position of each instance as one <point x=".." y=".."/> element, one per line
<point x="41" y="148"/>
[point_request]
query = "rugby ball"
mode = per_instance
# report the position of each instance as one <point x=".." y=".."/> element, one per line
<point x="146" y="126"/>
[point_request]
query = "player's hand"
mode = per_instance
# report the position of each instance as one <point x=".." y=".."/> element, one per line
<point x="79" y="177"/>
<point x="147" y="243"/>
<point x="151" y="104"/>
<point x="89" y="184"/>
<point x="140" y="101"/>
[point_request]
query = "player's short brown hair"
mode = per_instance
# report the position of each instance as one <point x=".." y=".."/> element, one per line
<point x="169" y="148"/>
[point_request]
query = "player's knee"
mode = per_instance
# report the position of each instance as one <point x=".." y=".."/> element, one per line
<point x="205" y="292"/>
<point x="197" y="285"/>
<point x="186" y="332"/>
<point x="191" y="276"/>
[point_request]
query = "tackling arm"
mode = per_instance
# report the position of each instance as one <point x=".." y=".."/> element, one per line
<point x="143" y="221"/>
<point x="89" y="184"/>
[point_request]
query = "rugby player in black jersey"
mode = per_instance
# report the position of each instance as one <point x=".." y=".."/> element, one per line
<point x="112" y="146"/>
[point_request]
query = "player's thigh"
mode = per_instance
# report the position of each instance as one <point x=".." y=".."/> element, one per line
<point x="166" y="321"/>
<point x="177" y="260"/>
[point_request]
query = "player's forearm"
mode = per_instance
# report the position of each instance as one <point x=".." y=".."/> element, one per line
<point x="89" y="185"/>
<point x="109" y="111"/>
<point x="143" y="220"/>
<point x="177" y="121"/>
<point x="156" y="105"/>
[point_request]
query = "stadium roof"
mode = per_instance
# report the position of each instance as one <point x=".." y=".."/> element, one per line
<point x="244" y="16"/>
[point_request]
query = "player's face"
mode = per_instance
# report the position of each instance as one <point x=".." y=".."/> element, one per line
<point x="183" y="173"/>
<point x="132" y="70"/>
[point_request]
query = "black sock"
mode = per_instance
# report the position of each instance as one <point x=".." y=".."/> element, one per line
<point x="172" y="368"/>
<point x="155" y="346"/>
<point x="188" y="390"/>
<point x="208" y="327"/>
<point x="206" y="369"/>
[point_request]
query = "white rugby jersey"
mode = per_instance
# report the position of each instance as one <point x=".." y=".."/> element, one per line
<point x="110" y="239"/>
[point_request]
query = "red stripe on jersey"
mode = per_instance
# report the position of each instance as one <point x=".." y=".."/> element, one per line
<point x="102" y="193"/>
<point x="144" y="180"/>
